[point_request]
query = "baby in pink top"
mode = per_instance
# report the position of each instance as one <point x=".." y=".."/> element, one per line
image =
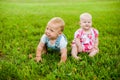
<point x="85" y="38"/>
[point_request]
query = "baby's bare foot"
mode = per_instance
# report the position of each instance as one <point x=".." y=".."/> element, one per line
<point x="92" y="54"/>
<point x="77" y="58"/>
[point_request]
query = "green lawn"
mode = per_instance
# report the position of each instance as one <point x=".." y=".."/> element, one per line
<point x="22" y="23"/>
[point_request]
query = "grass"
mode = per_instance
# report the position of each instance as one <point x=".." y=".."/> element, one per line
<point x="22" y="23"/>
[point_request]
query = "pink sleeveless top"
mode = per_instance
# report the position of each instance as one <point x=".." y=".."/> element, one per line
<point x="87" y="40"/>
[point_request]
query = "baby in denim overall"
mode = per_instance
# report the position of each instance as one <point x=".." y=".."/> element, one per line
<point x="53" y="39"/>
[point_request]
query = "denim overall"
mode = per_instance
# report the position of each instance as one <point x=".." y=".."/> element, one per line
<point x="55" y="47"/>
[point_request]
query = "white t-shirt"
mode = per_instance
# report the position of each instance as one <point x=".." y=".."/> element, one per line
<point x="62" y="44"/>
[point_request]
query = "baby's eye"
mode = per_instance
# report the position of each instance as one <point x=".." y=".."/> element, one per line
<point x="88" y="22"/>
<point x="51" y="30"/>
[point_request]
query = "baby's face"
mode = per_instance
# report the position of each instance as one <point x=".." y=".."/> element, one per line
<point x="52" y="31"/>
<point x="86" y="23"/>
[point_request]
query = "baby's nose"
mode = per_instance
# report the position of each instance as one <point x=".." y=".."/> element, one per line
<point x="47" y="31"/>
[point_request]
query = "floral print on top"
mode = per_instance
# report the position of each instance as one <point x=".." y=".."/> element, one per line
<point x="87" y="40"/>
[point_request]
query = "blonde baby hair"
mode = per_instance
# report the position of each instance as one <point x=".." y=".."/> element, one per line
<point x="59" y="22"/>
<point x="85" y="15"/>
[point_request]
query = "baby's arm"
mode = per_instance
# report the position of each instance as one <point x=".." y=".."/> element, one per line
<point x="96" y="38"/>
<point x="78" y="44"/>
<point x="63" y="52"/>
<point x="39" y="51"/>
<point x="96" y="45"/>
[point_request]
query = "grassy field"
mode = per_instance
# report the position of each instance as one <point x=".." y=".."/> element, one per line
<point x="22" y="23"/>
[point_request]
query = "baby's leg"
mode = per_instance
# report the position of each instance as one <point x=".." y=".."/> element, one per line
<point x="93" y="52"/>
<point x="74" y="52"/>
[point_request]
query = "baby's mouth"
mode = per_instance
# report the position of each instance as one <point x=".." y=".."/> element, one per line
<point x="47" y="35"/>
<point x="86" y="26"/>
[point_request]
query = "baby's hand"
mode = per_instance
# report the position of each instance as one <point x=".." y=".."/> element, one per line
<point x="60" y="63"/>
<point x="78" y="58"/>
<point x="38" y="58"/>
<point x="96" y="48"/>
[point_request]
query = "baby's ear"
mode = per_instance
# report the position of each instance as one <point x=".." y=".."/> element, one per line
<point x="79" y="22"/>
<point x="60" y="32"/>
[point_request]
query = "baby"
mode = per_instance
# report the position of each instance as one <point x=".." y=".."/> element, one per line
<point x="53" y="39"/>
<point x="85" y="38"/>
